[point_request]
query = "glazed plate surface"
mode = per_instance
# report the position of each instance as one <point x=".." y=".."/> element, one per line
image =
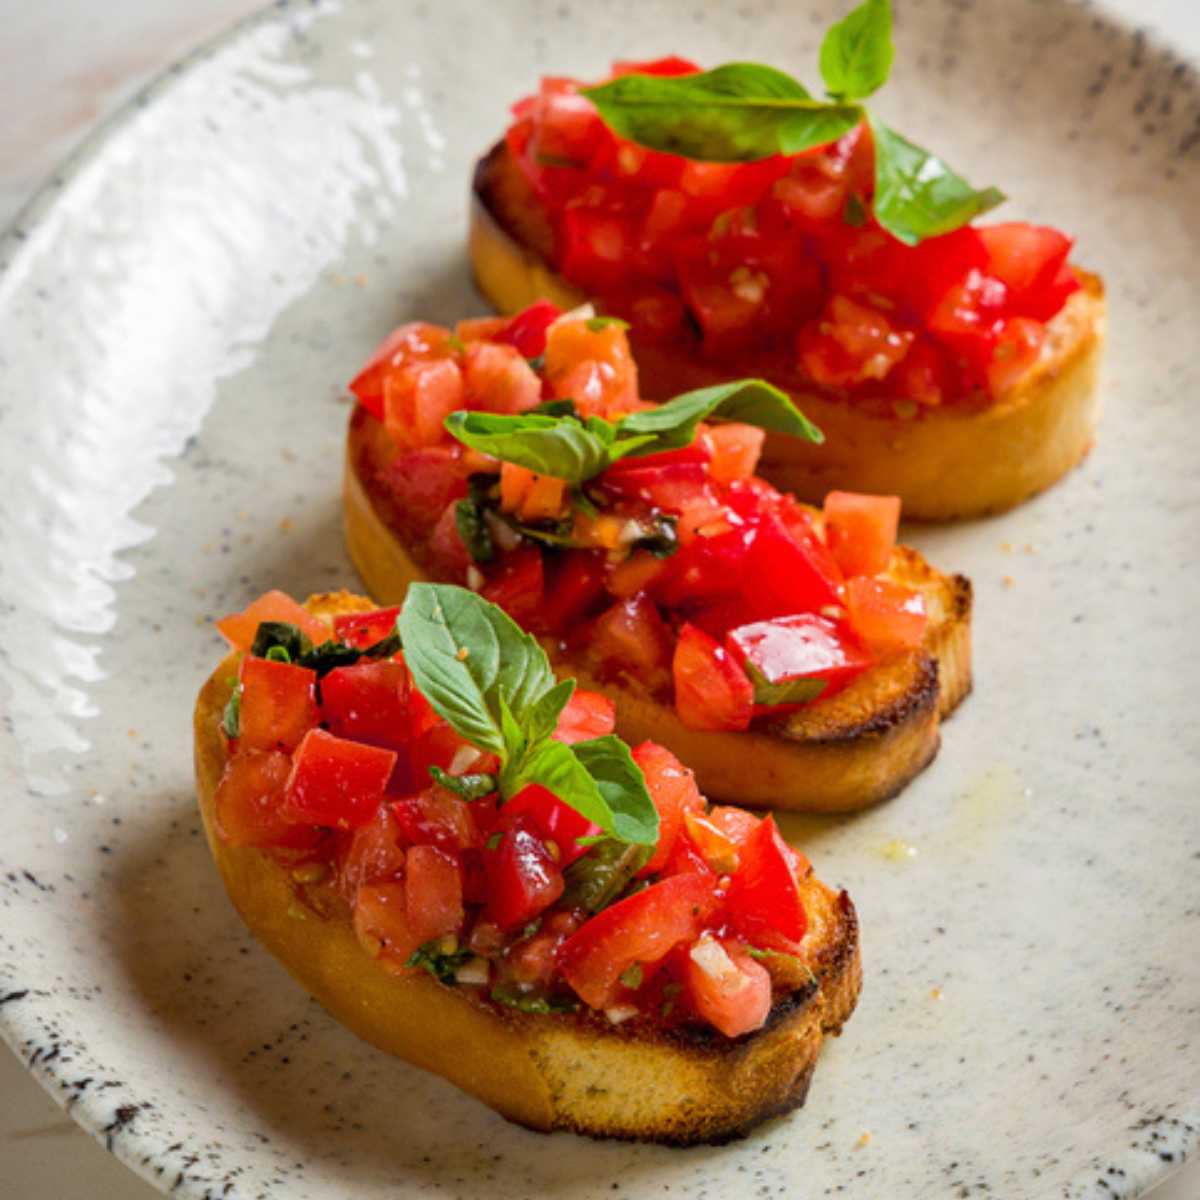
<point x="178" y="315"/>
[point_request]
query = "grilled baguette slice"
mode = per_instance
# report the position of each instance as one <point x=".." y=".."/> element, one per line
<point x="855" y="749"/>
<point x="949" y="463"/>
<point x="572" y="1071"/>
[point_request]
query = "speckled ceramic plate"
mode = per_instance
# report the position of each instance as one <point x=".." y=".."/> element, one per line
<point x="177" y="315"/>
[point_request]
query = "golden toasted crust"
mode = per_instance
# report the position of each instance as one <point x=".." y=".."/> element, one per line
<point x="546" y="1071"/>
<point x="853" y="750"/>
<point x="947" y="463"/>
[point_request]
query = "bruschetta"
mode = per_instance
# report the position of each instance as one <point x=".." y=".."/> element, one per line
<point x="419" y="836"/>
<point x="959" y="373"/>
<point x="728" y="621"/>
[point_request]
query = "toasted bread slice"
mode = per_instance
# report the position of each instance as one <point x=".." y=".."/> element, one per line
<point x="573" y="1071"/>
<point x="855" y="749"/>
<point x="946" y="463"/>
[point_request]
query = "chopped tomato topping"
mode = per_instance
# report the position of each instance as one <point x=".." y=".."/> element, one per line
<point x="711" y="690"/>
<point x="365" y="629"/>
<point x="764" y="896"/>
<point x="418" y="342"/>
<point x="587" y="715"/>
<point x="523" y="879"/>
<point x="249" y="803"/>
<point x="861" y="531"/>
<point x="726" y="986"/>
<point x="369" y="702"/>
<point x="433" y="900"/>
<point x="673" y="789"/>
<point x="239" y="628"/>
<point x="886" y="615"/>
<point x="436" y="817"/>
<point x="278" y="704"/>
<point x="417" y="399"/>
<point x="498" y="379"/>
<point x="336" y="782"/>
<point x="527" y="330"/>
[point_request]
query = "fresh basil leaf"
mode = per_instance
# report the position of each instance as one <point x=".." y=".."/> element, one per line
<point x="787" y="691"/>
<point x="597" y="324"/>
<point x="542" y="718"/>
<point x="558" y="535"/>
<point x="328" y="656"/>
<point x="752" y="401"/>
<point x="556" y="446"/>
<point x="582" y="502"/>
<point x="231" y="718"/>
<point x="602" y="874"/>
<point x="442" y="966"/>
<point x="791" y="959"/>
<point x="855" y="212"/>
<point x="538" y="364"/>
<point x="531" y="1002"/>
<point x="469" y="787"/>
<point x="277" y="654"/>
<point x="631" y="977"/>
<point x="917" y="195"/>
<point x="556" y="408"/>
<point x="735" y="113"/>
<point x="623" y="786"/>
<point x="856" y="55"/>
<point x="290" y="638"/>
<point x="661" y="540"/>
<point x="474" y="531"/>
<point x="385" y="647"/>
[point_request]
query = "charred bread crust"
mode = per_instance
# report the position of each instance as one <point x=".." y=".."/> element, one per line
<point x="948" y="463"/>
<point x="573" y="1071"/>
<point x="858" y="748"/>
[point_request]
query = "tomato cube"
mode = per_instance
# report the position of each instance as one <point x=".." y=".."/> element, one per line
<point x="1026" y="259"/>
<point x="642" y="928"/>
<point x="518" y="586"/>
<point x="365" y="629"/>
<point x="374" y="853"/>
<point x="433" y="896"/>
<point x="711" y="690"/>
<point x="248" y="804"/>
<point x="424" y="483"/>
<point x="523" y="879"/>
<point x="861" y="531"/>
<point x="673" y="789"/>
<point x="736" y="448"/>
<point x="574" y="591"/>
<point x="418" y="342"/>
<point x="527" y="330"/>
<point x="1018" y="348"/>
<point x="335" y="782"/>
<point x="368" y="702"/>
<point x="382" y="925"/>
<point x="238" y="629"/>
<point x="792" y="569"/>
<point x="632" y="636"/>
<point x="498" y="379"/>
<point x="726" y="987"/>
<point x="278" y="704"/>
<point x="436" y="817"/>
<point x="764" y="901"/>
<point x="418" y="398"/>
<point x="592" y="366"/>
<point x="886" y="615"/>
<point x="556" y="824"/>
<point x="587" y="715"/>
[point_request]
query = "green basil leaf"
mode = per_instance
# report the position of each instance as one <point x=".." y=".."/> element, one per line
<point x="735" y="113"/>
<point x="596" y="324"/>
<point x="917" y="195"/>
<point x="385" y="647"/>
<point x="328" y="656"/>
<point x="787" y="691"/>
<point x="603" y="873"/>
<point x="542" y="718"/>
<point x="555" y="408"/>
<point x="442" y="966"/>
<point x="290" y="638"/>
<point x="474" y="531"/>
<point x="231" y="718"/>
<point x="753" y="401"/>
<point x="469" y="787"/>
<point x="856" y="55"/>
<point x="556" y="446"/>
<point x="531" y="1002"/>
<point x="623" y="787"/>
<point x="631" y="977"/>
<point x="660" y="539"/>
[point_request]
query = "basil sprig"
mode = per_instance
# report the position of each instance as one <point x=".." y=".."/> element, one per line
<point x="740" y="112"/>
<point x="492" y="681"/>
<point x="786" y="691"/>
<point x="565" y="447"/>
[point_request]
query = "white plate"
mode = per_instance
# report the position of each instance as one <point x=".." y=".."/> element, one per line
<point x="178" y="312"/>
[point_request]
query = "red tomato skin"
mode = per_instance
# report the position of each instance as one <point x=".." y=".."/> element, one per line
<point x="586" y="715"/>
<point x="518" y="586"/>
<point x="249" y="803"/>
<point x="374" y="853"/>
<point x="711" y="690"/>
<point x="641" y="928"/>
<point x="368" y="702"/>
<point x="736" y="450"/>
<point x="365" y="629"/>
<point x="1026" y="259"/>
<point x="556" y="824"/>
<point x="527" y="330"/>
<point x="499" y="380"/>
<point x="861" y="531"/>
<point x="574" y="590"/>
<point x="523" y="880"/>
<point x="886" y="616"/>
<point x="382" y="926"/>
<point x="424" y="483"/>
<point x="792" y="570"/>
<point x="336" y="782"/>
<point x="736" y="1008"/>
<point x="409" y="343"/>
<point x="278" y="705"/>
<point x="418" y="398"/>
<point x="673" y="789"/>
<point x="736" y="823"/>
<point x="632" y="635"/>
<point x="764" y="901"/>
<point x="433" y="897"/>
<point x="238" y="629"/>
<point x="436" y="817"/>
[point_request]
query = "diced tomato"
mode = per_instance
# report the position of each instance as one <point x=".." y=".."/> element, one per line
<point x="249" y="803"/>
<point x="436" y="817"/>
<point x="657" y="313"/>
<point x="969" y="316"/>
<point x="673" y="789"/>
<point x="437" y="746"/>
<point x="711" y="690"/>
<point x="418" y="342"/>
<point x="587" y="715"/>
<point x="801" y="646"/>
<point x="596" y="246"/>
<point x="792" y="569"/>
<point x="1026" y="259"/>
<point x="632" y="635"/>
<point x="557" y="825"/>
<point x="238" y="629"/>
<point x="764" y="901"/>
<point x="523" y="879"/>
<point x="568" y="126"/>
<point x="922" y="375"/>
<point x="534" y="961"/>
<point x="1057" y="292"/>
<point x="710" y="567"/>
<point x="335" y="782"/>
<point x="518" y="586"/>
<point x="374" y="853"/>
<point x="418" y="398"/>
<point x="368" y="702"/>
<point x="530" y="496"/>
<point x="735" y="823"/>
<point x="592" y="366"/>
<point x="925" y="273"/>
<point x="886" y="615"/>
<point x="685" y="859"/>
<point x="497" y="378"/>
<point x="382" y="925"/>
<point x="716" y="847"/>
<point x="726" y="987"/>
<point x="1018" y="347"/>
<point x="446" y="552"/>
<point x="852" y="343"/>
<point x="672" y="64"/>
<point x="424" y="483"/>
<point x="736" y="448"/>
<point x="365" y="629"/>
<point x="527" y="330"/>
<point x="642" y="928"/>
<point x="278" y="704"/>
<point x="861" y="531"/>
<point x="574" y="591"/>
<point x="433" y="899"/>
<point x="672" y="482"/>
<point x="481" y="329"/>
<point x="635" y="574"/>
